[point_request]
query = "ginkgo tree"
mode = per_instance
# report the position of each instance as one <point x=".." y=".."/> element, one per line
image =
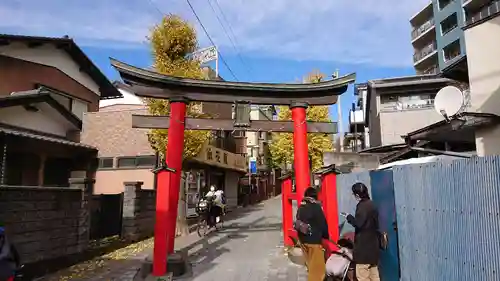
<point x="280" y="147"/>
<point x="172" y="40"/>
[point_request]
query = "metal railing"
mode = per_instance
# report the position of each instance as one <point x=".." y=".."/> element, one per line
<point x="487" y="11"/>
<point x="425" y="51"/>
<point x="422" y="29"/>
<point x="431" y="70"/>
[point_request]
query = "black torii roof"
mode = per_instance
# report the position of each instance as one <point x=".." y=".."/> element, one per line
<point x="147" y="83"/>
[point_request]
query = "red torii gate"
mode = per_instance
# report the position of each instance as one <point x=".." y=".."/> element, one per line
<point x="180" y="91"/>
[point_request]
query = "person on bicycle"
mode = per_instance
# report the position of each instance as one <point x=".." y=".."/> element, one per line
<point x="9" y="258"/>
<point x="217" y="203"/>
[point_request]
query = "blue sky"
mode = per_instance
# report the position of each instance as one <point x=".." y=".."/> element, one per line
<point x="279" y="40"/>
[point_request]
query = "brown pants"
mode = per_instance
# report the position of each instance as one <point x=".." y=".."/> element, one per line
<point x="315" y="262"/>
<point x="366" y="272"/>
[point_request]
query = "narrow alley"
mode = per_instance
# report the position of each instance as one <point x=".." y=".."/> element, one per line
<point x="248" y="248"/>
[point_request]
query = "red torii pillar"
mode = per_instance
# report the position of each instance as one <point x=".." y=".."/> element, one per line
<point x="301" y="170"/>
<point x="300" y="149"/>
<point x="329" y="200"/>
<point x="287" y="208"/>
<point x="167" y="193"/>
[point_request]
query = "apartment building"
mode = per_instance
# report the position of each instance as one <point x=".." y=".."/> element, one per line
<point x="450" y="18"/>
<point x="438" y="36"/>
<point x="357" y="138"/>
<point x="482" y="37"/>
<point x="423" y="40"/>
<point x="257" y="143"/>
<point x="396" y="106"/>
<point x="256" y="148"/>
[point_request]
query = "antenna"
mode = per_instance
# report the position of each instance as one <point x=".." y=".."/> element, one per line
<point x="449" y="101"/>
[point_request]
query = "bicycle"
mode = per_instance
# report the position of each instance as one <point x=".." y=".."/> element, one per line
<point x="203" y="210"/>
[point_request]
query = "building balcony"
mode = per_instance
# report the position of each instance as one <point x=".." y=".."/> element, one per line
<point x="424" y="28"/>
<point x="443" y="3"/>
<point x="486" y="12"/>
<point x="425" y="53"/>
<point x="423" y="15"/>
<point x="429" y="71"/>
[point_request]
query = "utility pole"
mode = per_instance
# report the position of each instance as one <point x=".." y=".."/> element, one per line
<point x="216" y="63"/>
<point x="339" y="113"/>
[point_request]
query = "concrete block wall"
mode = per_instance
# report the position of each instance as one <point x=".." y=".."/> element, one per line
<point x="139" y="207"/>
<point x="46" y="223"/>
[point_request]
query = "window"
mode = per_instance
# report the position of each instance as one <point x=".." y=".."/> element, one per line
<point x="452" y="50"/>
<point x="405" y="102"/>
<point x="79" y="108"/>
<point x="449" y="23"/>
<point x="126" y="162"/>
<point x="239" y="133"/>
<point x="106" y="163"/>
<point x="147" y="161"/>
<point x="443" y="3"/>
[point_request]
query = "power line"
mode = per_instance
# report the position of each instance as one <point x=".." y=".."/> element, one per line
<point x="210" y="38"/>
<point x="156" y="7"/>
<point x="238" y="52"/>
<point x="204" y="29"/>
<point x="230" y="28"/>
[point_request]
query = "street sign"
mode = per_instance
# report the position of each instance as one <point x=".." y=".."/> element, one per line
<point x="205" y="55"/>
<point x="252" y="165"/>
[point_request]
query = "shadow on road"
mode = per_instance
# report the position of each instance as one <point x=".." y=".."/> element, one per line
<point x="203" y="253"/>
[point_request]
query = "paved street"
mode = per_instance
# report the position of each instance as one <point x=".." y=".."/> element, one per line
<point x="247" y="249"/>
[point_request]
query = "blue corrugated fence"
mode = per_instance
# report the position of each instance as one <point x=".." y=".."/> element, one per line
<point x="382" y="192"/>
<point x="448" y="217"/>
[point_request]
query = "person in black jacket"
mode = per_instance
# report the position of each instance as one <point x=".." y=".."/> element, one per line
<point x="367" y="235"/>
<point x="311" y="217"/>
<point x="9" y="258"/>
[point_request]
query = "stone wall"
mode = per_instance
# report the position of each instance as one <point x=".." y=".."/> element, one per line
<point x="139" y="207"/>
<point x="46" y="223"/>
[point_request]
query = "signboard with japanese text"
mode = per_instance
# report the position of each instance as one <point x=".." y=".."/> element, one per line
<point x="205" y="55"/>
<point x="219" y="157"/>
<point x="252" y="167"/>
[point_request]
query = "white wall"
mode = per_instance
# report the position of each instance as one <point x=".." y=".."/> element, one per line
<point x="51" y="56"/>
<point x="357" y="116"/>
<point x="394" y="124"/>
<point x="483" y="59"/>
<point x="128" y="98"/>
<point x="46" y="120"/>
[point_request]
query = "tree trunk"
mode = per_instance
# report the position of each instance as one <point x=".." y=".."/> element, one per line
<point x="182" y="225"/>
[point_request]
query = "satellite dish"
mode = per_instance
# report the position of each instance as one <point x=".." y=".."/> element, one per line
<point x="449" y="101"/>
